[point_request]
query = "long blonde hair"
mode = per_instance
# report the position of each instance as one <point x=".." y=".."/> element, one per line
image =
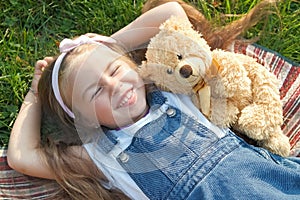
<point x="78" y="178"/>
<point x="219" y="36"/>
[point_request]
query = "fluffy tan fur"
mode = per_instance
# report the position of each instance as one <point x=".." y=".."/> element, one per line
<point x="231" y="89"/>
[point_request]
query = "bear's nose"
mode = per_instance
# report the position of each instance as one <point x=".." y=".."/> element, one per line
<point x="186" y="71"/>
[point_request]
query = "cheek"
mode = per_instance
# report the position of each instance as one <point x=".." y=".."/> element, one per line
<point x="87" y="110"/>
<point x="91" y="114"/>
<point x="105" y="116"/>
<point x="102" y="105"/>
<point x="130" y="73"/>
<point x="136" y="79"/>
<point x="102" y="108"/>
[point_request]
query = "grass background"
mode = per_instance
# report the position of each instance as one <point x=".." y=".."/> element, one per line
<point x="31" y="29"/>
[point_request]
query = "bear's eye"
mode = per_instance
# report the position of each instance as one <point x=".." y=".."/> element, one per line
<point x="169" y="71"/>
<point x="179" y="56"/>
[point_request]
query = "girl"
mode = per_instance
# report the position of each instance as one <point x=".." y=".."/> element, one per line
<point x="150" y="145"/>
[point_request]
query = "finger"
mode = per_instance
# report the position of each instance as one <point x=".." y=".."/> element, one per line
<point x="91" y="34"/>
<point x="40" y="64"/>
<point x="39" y="67"/>
<point x="49" y="59"/>
<point x="103" y="38"/>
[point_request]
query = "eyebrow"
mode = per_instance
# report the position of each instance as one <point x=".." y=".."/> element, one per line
<point x="87" y="89"/>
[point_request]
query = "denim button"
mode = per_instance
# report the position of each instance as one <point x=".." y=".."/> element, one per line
<point x="171" y="112"/>
<point x="124" y="157"/>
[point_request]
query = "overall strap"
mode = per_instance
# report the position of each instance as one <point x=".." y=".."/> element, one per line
<point x="154" y="97"/>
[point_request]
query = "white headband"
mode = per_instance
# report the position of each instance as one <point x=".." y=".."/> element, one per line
<point x="65" y="46"/>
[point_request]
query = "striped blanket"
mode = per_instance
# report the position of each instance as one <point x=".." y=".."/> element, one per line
<point x="288" y="74"/>
<point x="14" y="185"/>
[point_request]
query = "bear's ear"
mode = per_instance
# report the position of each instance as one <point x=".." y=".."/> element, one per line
<point x="175" y="23"/>
<point x="144" y="70"/>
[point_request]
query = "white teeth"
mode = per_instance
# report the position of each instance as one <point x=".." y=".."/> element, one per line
<point x="126" y="98"/>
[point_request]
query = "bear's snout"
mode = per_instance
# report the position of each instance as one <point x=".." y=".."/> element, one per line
<point x="186" y="71"/>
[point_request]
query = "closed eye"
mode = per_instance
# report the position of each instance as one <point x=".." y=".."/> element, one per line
<point x="114" y="73"/>
<point x="116" y="69"/>
<point x="97" y="91"/>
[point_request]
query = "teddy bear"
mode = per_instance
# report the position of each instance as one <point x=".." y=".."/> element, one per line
<point x="231" y="90"/>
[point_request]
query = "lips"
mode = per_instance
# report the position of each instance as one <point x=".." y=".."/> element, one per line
<point x="128" y="99"/>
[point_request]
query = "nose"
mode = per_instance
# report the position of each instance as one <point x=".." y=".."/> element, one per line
<point x="113" y="84"/>
<point x="186" y="71"/>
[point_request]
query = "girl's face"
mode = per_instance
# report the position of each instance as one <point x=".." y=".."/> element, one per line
<point x="107" y="90"/>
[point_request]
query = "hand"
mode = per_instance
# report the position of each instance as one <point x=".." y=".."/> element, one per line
<point x="100" y="38"/>
<point x="91" y="35"/>
<point x="38" y="70"/>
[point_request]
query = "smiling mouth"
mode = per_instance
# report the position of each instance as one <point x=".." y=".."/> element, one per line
<point x="128" y="99"/>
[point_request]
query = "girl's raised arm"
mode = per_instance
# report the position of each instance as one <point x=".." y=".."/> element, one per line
<point x="146" y="26"/>
<point x="24" y="153"/>
<point x="23" y="150"/>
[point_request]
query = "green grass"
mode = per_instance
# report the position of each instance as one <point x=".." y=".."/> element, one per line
<point x="30" y="30"/>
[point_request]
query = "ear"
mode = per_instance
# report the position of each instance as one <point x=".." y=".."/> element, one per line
<point x="177" y="24"/>
<point x="144" y="70"/>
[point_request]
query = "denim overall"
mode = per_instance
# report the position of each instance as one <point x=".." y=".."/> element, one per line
<point x="176" y="157"/>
